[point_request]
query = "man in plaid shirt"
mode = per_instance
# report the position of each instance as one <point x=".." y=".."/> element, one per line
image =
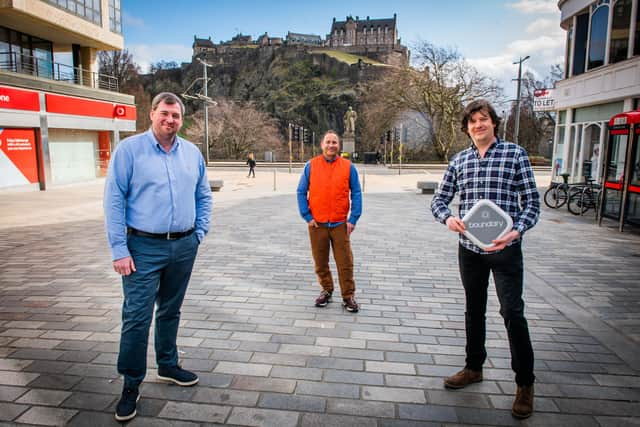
<point x="501" y="172"/>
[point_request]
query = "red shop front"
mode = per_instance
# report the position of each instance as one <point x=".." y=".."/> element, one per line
<point x="48" y="138"/>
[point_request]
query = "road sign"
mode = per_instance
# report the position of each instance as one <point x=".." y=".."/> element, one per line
<point x="544" y="100"/>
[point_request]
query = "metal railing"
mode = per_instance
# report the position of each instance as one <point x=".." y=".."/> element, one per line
<point x="26" y="64"/>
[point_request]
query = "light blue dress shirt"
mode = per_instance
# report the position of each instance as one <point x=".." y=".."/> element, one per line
<point x="152" y="190"/>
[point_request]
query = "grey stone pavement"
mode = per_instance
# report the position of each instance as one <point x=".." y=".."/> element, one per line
<point x="267" y="357"/>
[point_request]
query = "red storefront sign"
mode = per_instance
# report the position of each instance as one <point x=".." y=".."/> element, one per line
<point x="87" y="107"/>
<point x="17" y="99"/>
<point x="19" y="146"/>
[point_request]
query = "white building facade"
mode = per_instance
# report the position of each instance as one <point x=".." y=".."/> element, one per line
<point x="602" y="78"/>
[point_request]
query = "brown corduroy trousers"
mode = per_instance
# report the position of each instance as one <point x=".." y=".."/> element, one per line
<point x="323" y="239"/>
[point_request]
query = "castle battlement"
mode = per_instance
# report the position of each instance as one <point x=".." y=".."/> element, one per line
<point x="376" y="38"/>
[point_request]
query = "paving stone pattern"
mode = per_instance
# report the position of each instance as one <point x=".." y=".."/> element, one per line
<point x="267" y="357"/>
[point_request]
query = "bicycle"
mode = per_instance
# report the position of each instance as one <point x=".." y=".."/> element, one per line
<point x="558" y="193"/>
<point x="587" y="198"/>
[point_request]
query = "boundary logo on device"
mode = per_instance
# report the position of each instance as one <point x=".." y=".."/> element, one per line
<point x="486" y="222"/>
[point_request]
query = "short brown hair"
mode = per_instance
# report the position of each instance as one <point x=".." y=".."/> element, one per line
<point x="333" y="132"/>
<point x="168" y="98"/>
<point x="474" y="107"/>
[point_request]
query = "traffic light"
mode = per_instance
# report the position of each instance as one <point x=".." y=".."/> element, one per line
<point x="296" y="133"/>
<point x="388" y="136"/>
<point x="305" y="136"/>
<point x="396" y="134"/>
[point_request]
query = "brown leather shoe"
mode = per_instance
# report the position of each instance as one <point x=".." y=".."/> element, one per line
<point x="463" y="379"/>
<point x="523" y="403"/>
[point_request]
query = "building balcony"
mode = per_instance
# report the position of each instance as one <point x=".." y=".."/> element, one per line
<point x="60" y="26"/>
<point x="609" y="83"/>
<point x="33" y="73"/>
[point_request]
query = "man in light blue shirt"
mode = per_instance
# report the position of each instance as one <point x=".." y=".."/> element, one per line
<point x="157" y="206"/>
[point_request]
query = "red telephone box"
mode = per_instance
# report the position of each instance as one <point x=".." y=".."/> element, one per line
<point x="620" y="198"/>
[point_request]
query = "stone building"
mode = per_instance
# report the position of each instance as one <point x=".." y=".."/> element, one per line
<point x="376" y="38"/>
<point x="304" y="39"/>
<point x="265" y="40"/>
<point x="240" y="40"/>
<point x="202" y="46"/>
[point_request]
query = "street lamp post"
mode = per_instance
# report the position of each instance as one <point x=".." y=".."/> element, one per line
<point x="204" y="97"/>
<point x="206" y="110"/>
<point x="517" y="118"/>
<point x="504" y="125"/>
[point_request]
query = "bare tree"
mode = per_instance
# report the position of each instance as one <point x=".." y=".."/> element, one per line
<point x="437" y="87"/>
<point x="235" y="130"/>
<point x="119" y="63"/>
<point x="379" y="112"/>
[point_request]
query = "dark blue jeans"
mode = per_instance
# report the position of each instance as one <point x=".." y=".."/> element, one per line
<point x="163" y="269"/>
<point x="507" y="268"/>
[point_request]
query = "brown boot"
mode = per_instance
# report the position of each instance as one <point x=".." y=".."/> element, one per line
<point x="523" y="403"/>
<point x="463" y="379"/>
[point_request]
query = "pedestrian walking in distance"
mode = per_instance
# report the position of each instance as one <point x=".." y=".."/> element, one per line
<point x="252" y="165"/>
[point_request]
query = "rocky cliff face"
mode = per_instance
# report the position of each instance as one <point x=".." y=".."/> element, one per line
<point x="293" y="84"/>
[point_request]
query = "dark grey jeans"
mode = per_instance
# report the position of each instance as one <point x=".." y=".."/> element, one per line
<point x="163" y="269"/>
<point x="508" y="271"/>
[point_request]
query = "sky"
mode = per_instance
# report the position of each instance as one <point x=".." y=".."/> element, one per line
<point x="489" y="34"/>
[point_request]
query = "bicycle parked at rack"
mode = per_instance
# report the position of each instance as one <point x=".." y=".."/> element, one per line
<point x="558" y="193"/>
<point x="581" y="201"/>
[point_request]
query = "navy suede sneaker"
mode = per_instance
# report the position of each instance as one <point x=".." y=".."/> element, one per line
<point x="126" y="408"/>
<point x="177" y="375"/>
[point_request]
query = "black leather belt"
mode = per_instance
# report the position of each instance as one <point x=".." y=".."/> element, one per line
<point x="164" y="236"/>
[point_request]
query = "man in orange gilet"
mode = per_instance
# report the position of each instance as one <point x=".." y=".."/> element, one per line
<point x="329" y="187"/>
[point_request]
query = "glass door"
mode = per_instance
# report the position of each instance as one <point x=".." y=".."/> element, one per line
<point x="632" y="214"/>
<point x="615" y="175"/>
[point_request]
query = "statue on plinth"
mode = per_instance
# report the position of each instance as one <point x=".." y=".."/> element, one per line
<point x="350" y="121"/>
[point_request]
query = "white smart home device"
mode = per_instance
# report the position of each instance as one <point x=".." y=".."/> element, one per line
<point x="486" y="222"/>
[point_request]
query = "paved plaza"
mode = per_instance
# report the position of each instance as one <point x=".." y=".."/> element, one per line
<point x="267" y="357"/>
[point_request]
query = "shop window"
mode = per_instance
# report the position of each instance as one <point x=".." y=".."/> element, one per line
<point x="562" y="117"/>
<point x="23" y="53"/>
<point x="615" y="168"/>
<point x="620" y="28"/>
<point x="636" y="49"/>
<point x="598" y="35"/>
<point x="557" y="155"/>
<point x="5" y="49"/>
<point x="86" y="9"/>
<point x="580" y="43"/>
<point x="567" y="53"/>
<point x="43" y="54"/>
<point x="115" y="21"/>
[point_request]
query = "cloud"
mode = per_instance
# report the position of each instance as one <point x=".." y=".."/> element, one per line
<point x="144" y="55"/>
<point x="544" y="51"/>
<point x="544" y="25"/>
<point x="535" y="6"/>
<point x="129" y="20"/>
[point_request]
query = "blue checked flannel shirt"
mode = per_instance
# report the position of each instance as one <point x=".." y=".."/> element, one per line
<point x="503" y="176"/>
